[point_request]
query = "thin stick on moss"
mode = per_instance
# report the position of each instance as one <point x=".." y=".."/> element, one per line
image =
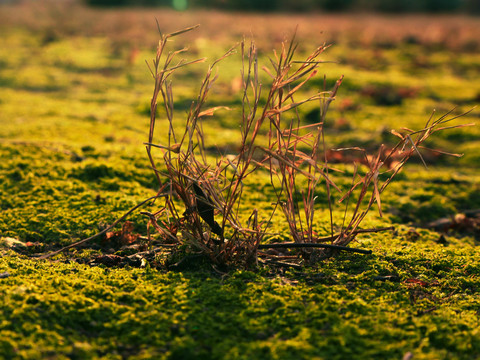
<point x="46" y="256"/>
<point x="295" y="245"/>
<point x="292" y="245"/>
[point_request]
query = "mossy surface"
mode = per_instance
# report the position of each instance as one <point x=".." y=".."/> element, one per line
<point x="366" y="307"/>
<point x="73" y="119"/>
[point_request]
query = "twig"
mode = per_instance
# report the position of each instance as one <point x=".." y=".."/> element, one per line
<point x="280" y="263"/>
<point x="46" y="256"/>
<point x="292" y="245"/>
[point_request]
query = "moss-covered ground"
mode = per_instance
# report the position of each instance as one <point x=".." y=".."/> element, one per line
<point x="74" y="113"/>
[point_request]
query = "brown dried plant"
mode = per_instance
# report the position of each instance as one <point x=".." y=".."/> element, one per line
<point x="202" y="198"/>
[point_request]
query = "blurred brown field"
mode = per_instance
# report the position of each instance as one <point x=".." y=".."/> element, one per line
<point x="136" y="26"/>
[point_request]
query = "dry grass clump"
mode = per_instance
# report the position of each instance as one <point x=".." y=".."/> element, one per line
<point x="202" y="198"/>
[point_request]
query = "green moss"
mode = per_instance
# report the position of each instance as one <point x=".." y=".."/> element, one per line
<point x="245" y="315"/>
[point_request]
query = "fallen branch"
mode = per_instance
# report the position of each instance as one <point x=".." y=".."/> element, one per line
<point x="292" y="245"/>
<point x="296" y="245"/>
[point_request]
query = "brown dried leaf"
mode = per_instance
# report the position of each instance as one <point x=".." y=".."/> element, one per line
<point x="124" y="236"/>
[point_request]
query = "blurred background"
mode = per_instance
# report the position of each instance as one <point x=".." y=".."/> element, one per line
<point x="387" y="6"/>
<point x="307" y="5"/>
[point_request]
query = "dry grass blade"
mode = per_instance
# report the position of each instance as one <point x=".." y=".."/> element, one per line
<point x="179" y="32"/>
<point x="418" y="152"/>
<point x="211" y="111"/>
